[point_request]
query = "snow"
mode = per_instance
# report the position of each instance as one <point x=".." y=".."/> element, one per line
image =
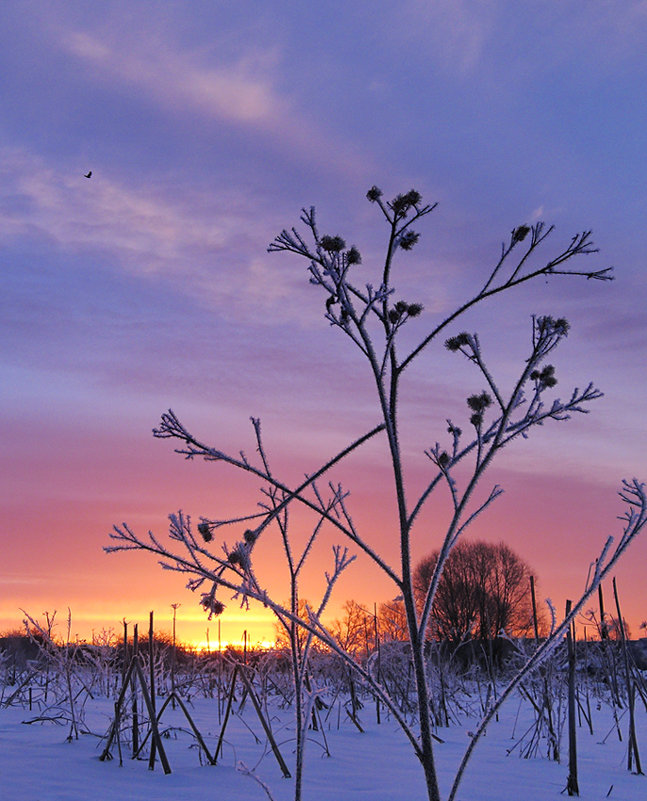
<point x="38" y="764"/>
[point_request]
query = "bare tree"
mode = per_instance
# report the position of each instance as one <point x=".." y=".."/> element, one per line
<point x="369" y="313"/>
<point x="354" y="629"/>
<point x="483" y="591"/>
<point x="392" y="621"/>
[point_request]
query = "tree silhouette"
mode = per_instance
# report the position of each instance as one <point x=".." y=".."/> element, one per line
<point x="484" y="590"/>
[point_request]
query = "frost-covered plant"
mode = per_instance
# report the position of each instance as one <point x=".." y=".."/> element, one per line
<point x="66" y="690"/>
<point x="234" y="570"/>
<point x="364" y="307"/>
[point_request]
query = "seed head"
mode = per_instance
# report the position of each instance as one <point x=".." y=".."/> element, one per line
<point x="547" y="326"/>
<point x="478" y="403"/>
<point x="400" y="205"/>
<point x="333" y="244"/>
<point x="457" y="342"/>
<point x="239" y="555"/>
<point x="212" y="605"/>
<point x="353" y="256"/>
<point x="402" y="307"/>
<point x="520" y="233"/>
<point x="413" y="197"/>
<point x="408" y="240"/>
<point x="545" y="378"/>
<point x="205" y="531"/>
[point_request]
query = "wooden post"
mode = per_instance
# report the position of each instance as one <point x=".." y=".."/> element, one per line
<point x="135" y="728"/>
<point x="379" y="666"/>
<point x="151" y="673"/>
<point x="632" y="748"/>
<point x="264" y="724"/>
<point x="534" y="607"/>
<point x="114" y="731"/>
<point x="153" y="719"/>
<point x="604" y="629"/>
<point x="124" y="664"/>
<point x="571" y="783"/>
<point x="230" y="700"/>
<point x="174" y="656"/>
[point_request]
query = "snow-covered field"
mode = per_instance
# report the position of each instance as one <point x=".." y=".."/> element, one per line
<point x="37" y="763"/>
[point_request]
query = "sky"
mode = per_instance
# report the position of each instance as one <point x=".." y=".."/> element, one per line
<point x="207" y="127"/>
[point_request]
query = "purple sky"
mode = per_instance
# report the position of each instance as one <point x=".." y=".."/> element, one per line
<point x="207" y="126"/>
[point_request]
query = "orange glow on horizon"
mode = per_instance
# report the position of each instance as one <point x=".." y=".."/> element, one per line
<point x="210" y="647"/>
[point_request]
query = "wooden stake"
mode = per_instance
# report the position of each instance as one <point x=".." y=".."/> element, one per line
<point x="151" y="672"/>
<point x="604" y="630"/>
<point x="571" y="783"/>
<point x="264" y="724"/>
<point x="379" y="665"/>
<point x="153" y="720"/>
<point x="134" y="699"/>
<point x="534" y="607"/>
<point x="230" y="700"/>
<point x="632" y="749"/>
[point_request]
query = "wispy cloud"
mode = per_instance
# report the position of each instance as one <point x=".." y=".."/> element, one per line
<point x="455" y="31"/>
<point x="230" y="92"/>
<point x="240" y="92"/>
<point x="146" y="227"/>
<point x="505" y="42"/>
<point x="203" y="242"/>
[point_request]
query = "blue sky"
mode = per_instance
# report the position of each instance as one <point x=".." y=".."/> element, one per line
<point x="207" y="126"/>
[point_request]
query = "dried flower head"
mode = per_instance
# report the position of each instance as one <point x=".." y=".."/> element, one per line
<point x="333" y="244"/>
<point x="400" y="205"/>
<point x="457" y="342"/>
<point x="408" y="240"/>
<point x="545" y="377"/>
<point x="413" y="197"/>
<point x="402" y="307"/>
<point x="353" y="256"/>
<point x="443" y="459"/>
<point x="374" y="193"/>
<point x="250" y="536"/>
<point x="205" y="531"/>
<point x="520" y="233"/>
<point x="211" y="604"/>
<point x="239" y="556"/>
<point x="548" y="326"/>
<point x="476" y="419"/>
<point x="478" y="403"/>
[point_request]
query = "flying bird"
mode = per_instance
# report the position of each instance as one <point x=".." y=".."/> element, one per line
<point x="88" y="174"/>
